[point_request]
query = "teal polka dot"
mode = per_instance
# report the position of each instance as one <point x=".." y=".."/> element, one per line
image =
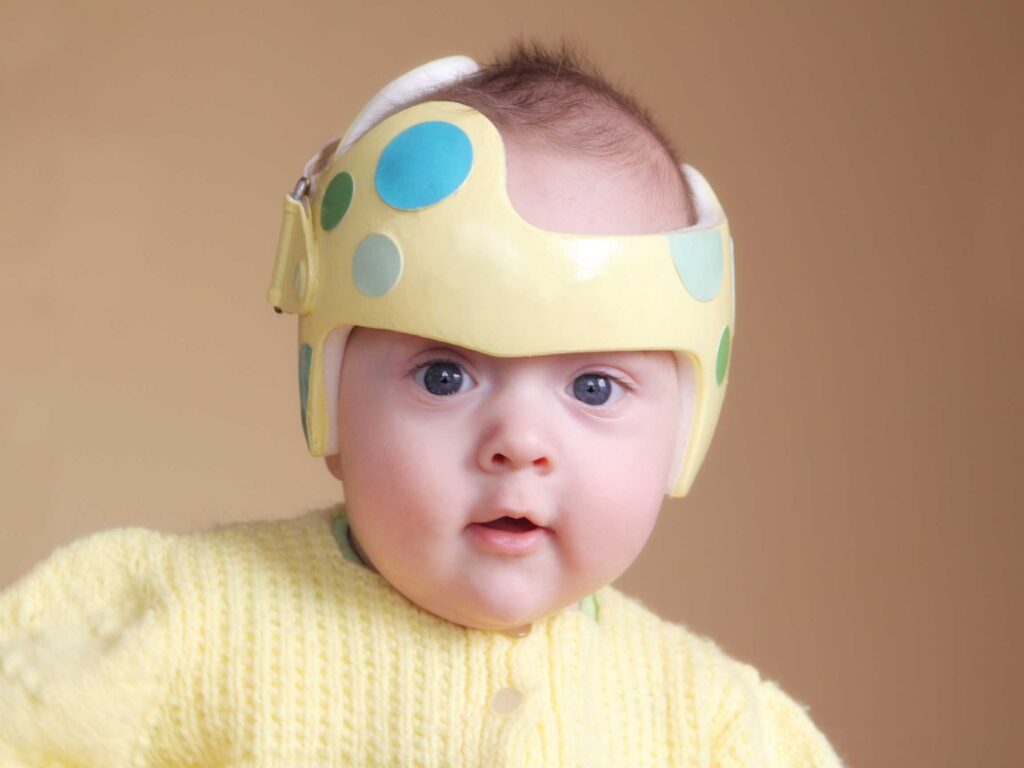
<point x="699" y="261"/>
<point x="377" y="265"/>
<point x="722" y="363"/>
<point x="337" y="199"/>
<point x="423" y="164"/>
<point x="305" y="359"/>
<point x="732" y="275"/>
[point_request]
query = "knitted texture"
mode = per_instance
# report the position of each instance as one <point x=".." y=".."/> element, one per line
<point x="259" y="644"/>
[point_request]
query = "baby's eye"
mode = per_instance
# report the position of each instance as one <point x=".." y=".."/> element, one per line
<point x="596" y="388"/>
<point x="443" y="377"/>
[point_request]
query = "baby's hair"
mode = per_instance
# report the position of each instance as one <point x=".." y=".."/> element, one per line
<point x="557" y="97"/>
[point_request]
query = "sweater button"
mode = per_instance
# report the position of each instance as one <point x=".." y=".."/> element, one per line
<point x="506" y="701"/>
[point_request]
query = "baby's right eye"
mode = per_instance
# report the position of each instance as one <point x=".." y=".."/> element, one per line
<point x="443" y="377"/>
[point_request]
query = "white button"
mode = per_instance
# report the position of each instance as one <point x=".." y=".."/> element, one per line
<point x="506" y="701"/>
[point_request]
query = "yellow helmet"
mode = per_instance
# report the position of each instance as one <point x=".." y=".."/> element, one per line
<point x="409" y="228"/>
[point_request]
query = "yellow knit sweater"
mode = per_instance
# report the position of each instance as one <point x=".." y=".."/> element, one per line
<point x="260" y="644"/>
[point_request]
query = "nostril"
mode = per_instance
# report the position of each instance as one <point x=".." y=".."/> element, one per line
<point x="502" y="460"/>
<point x="505" y="461"/>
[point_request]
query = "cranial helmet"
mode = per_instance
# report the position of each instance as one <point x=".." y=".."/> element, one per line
<point x="407" y="226"/>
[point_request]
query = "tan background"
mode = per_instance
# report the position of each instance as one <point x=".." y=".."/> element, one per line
<point x="855" y="531"/>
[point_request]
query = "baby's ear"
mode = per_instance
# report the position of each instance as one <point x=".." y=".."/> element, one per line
<point x="333" y="463"/>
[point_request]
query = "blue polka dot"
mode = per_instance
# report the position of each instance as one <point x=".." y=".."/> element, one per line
<point x="377" y="265"/>
<point x="423" y="164"/>
<point x="305" y="358"/>
<point x="699" y="261"/>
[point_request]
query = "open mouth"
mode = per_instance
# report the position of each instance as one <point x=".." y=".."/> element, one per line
<point x="510" y="524"/>
<point x="509" y="536"/>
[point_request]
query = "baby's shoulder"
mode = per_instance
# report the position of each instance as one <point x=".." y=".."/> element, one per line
<point x="120" y="575"/>
<point x="626" y="616"/>
<point x="84" y="639"/>
<point x="293" y="553"/>
<point x="128" y="632"/>
<point x="622" y="615"/>
<point x="105" y="569"/>
<point x="751" y="718"/>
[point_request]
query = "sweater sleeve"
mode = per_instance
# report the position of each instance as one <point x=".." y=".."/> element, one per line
<point x="763" y="727"/>
<point x="87" y="652"/>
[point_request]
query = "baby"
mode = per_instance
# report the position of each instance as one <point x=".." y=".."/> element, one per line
<point x="515" y="314"/>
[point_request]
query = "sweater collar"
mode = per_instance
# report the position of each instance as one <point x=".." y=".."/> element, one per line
<point x="343" y="536"/>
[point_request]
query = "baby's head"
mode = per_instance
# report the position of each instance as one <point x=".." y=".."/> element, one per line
<point x="505" y="444"/>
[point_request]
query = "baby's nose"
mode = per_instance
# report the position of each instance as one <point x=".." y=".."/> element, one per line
<point x="515" y="446"/>
<point x="514" y="457"/>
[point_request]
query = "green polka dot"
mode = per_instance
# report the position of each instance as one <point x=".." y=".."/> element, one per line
<point x="377" y="265"/>
<point x="722" y="364"/>
<point x="337" y="199"/>
<point x="305" y="358"/>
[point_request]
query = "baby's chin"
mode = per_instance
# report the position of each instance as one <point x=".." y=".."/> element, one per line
<point x="496" y="610"/>
<point x="510" y="622"/>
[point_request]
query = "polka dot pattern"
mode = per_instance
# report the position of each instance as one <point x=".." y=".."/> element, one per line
<point x="305" y="359"/>
<point x="377" y="265"/>
<point x="336" y="201"/>
<point x="732" y="275"/>
<point x="423" y="164"/>
<point x="700" y="262"/>
<point x="722" y="361"/>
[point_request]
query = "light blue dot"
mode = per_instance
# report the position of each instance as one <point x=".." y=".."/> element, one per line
<point x="423" y="164"/>
<point x="377" y="265"/>
<point x="732" y="275"/>
<point x="699" y="261"/>
<point x="305" y="359"/>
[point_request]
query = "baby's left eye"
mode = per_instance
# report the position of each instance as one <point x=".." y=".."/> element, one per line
<point x="596" y="388"/>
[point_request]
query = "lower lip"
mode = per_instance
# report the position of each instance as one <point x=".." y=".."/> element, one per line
<point x="508" y="542"/>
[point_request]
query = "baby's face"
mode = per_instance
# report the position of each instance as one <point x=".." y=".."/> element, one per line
<point x="492" y="491"/>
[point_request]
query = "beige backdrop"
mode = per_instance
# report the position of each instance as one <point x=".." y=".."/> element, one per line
<point x="855" y="530"/>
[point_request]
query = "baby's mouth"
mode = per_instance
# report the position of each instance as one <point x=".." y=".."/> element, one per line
<point x="510" y="524"/>
<point x="509" y="536"/>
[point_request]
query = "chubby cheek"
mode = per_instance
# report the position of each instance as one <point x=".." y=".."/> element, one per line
<point x="397" y="473"/>
<point x="381" y="497"/>
<point x="613" y="518"/>
<point x="616" y="536"/>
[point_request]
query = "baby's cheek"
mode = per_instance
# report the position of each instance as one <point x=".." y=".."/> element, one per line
<point x="626" y="533"/>
<point x="617" y="519"/>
